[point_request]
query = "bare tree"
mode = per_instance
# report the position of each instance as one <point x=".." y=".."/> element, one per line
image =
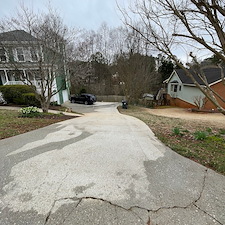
<point x="200" y="101"/>
<point x="119" y="47"/>
<point x="108" y="41"/>
<point x="136" y="74"/>
<point x="172" y="26"/>
<point x="45" y="48"/>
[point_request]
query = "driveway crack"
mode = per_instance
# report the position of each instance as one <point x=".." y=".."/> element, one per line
<point x="49" y="213"/>
<point x="208" y="214"/>
<point x="58" y="200"/>
<point x="64" y="220"/>
<point x="190" y="204"/>
<point x="203" y="187"/>
<point x="131" y="209"/>
<point x="195" y="202"/>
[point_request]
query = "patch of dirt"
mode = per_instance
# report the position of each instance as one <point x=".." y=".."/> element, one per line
<point x="57" y="117"/>
<point x="216" y="119"/>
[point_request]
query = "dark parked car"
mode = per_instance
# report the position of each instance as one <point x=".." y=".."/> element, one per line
<point x="87" y="99"/>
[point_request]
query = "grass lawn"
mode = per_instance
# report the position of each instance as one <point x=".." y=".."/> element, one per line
<point x="194" y="140"/>
<point x="11" y="124"/>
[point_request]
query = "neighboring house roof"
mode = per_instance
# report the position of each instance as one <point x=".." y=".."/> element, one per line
<point x="213" y="75"/>
<point x="16" y="35"/>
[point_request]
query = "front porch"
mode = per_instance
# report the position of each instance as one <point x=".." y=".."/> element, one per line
<point x="28" y="77"/>
<point x="19" y="77"/>
<point x="14" y="83"/>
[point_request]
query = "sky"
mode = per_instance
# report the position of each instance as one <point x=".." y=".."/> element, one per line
<point x="88" y="14"/>
<point x="78" y="14"/>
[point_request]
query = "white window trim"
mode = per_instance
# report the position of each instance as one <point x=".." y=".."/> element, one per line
<point x="36" y="52"/>
<point x="173" y="87"/>
<point x="16" y="54"/>
<point x="6" y="55"/>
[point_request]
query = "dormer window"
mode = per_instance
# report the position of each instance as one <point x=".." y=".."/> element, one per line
<point x="20" y="54"/>
<point x="3" y="57"/>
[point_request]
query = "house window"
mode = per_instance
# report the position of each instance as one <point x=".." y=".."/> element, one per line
<point x="3" y="55"/>
<point x="33" y="53"/>
<point x="175" y="88"/>
<point x="20" y="54"/>
<point x="15" y="75"/>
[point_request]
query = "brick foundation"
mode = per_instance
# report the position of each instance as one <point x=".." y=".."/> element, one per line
<point x="179" y="103"/>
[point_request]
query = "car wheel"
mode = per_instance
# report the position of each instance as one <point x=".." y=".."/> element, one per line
<point x="86" y="102"/>
<point x="72" y="101"/>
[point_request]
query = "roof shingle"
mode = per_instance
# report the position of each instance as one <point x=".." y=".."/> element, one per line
<point x="16" y="35"/>
<point x="212" y="75"/>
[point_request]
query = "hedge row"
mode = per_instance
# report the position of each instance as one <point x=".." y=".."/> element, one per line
<point x="19" y="95"/>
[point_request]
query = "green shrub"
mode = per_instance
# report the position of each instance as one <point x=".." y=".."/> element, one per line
<point x="209" y="130"/>
<point x="13" y="94"/>
<point x="216" y="139"/>
<point x="18" y="101"/>
<point x="222" y="131"/>
<point x="186" y="131"/>
<point x="55" y="103"/>
<point x="29" y="99"/>
<point x="200" y="135"/>
<point x="177" y="131"/>
<point x="30" y="111"/>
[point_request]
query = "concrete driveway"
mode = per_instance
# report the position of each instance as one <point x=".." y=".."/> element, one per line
<point x="103" y="168"/>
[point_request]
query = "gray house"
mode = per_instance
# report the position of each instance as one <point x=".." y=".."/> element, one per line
<point x="22" y="56"/>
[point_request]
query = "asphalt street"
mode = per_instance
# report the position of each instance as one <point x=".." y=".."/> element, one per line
<point x="103" y="168"/>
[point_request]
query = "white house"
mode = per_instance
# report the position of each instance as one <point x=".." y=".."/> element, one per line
<point x="182" y="92"/>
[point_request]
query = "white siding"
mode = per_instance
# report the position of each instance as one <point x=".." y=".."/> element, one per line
<point x="170" y="84"/>
<point x="55" y="98"/>
<point x="65" y="95"/>
<point x="185" y="93"/>
<point x="189" y="94"/>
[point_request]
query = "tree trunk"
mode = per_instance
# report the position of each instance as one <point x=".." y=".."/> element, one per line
<point x="45" y="106"/>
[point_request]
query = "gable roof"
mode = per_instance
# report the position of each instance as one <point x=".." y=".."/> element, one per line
<point x="212" y="75"/>
<point x="16" y="35"/>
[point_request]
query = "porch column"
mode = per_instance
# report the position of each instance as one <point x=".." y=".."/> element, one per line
<point x="35" y="81"/>
<point x="24" y="75"/>
<point x="6" y="76"/>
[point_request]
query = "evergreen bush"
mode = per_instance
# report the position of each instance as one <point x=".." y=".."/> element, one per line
<point x="19" y="95"/>
<point x="29" y="99"/>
